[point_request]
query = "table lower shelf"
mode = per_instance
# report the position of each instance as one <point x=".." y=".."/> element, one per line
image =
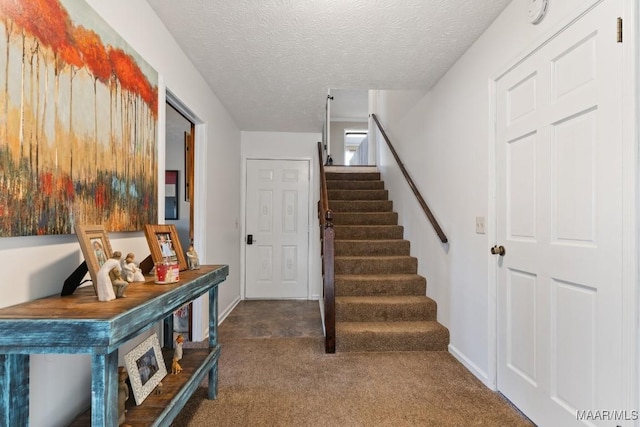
<point x="161" y="409"/>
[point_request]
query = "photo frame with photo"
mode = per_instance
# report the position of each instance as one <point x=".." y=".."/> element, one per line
<point x="146" y="368"/>
<point x="164" y="243"/>
<point x="95" y="247"/>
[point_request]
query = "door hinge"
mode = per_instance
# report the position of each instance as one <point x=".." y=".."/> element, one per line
<point x="619" y="38"/>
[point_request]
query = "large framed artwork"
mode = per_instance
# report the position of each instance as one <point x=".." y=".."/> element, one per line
<point x="78" y="122"/>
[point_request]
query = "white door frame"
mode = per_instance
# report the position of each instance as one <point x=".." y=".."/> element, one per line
<point x="199" y="327"/>
<point x="631" y="198"/>
<point x="373" y="128"/>
<point x="243" y="215"/>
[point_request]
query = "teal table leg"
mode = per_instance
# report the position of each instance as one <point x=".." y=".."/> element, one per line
<point x="167" y="327"/>
<point x="213" y="317"/>
<point x="14" y="389"/>
<point x="213" y="382"/>
<point x="213" y="340"/>
<point x="104" y="389"/>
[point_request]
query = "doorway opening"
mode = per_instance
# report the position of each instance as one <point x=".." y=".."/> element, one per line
<point x="355" y="147"/>
<point x="179" y="194"/>
<point x="347" y="118"/>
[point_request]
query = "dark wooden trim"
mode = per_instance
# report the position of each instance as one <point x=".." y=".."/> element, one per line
<point x="412" y="185"/>
<point x="328" y="276"/>
<point x="329" y="285"/>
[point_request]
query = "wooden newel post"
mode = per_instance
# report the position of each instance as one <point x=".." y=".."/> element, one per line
<point x="329" y="279"/>
<point x="329" y="219"/>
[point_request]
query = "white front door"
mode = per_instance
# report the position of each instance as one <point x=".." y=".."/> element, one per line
<point x="277" y="219"/>
<point x="559" y="207"/>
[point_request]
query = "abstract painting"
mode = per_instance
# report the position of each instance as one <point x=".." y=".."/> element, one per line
<point x="78" y="122"/>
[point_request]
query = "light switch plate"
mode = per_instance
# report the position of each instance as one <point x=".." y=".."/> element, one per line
<point x="479" y="225"/>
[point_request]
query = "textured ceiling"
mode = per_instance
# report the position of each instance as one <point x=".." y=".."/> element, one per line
<point x="271" y="62"/>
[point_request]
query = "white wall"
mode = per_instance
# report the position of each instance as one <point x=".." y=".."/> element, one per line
<point x="298" y="146"/>
<point x="442" y="136"/>
<point x="217" y="207"/>
<point x="60" y="385"/>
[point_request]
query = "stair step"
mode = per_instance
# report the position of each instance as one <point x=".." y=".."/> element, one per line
<point x="351" y="168"/>
<point x="365" y="218"/>
<point x="361" y="205"/>
<point x="357" y="195"/>
<point x="352" y="176"/>
<point x="385" y="308"/>
<point x="381" y="302"/>
<point x="376" y="264"/>
<point x="380" y="284"/>
<point x="355" y="185"/>
<point x="391" y="336"/>
<point x="368" y="232"/>
<point x="371" y="247"/>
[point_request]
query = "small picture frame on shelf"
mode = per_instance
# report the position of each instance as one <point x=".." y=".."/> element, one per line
<point x="146" y="368"/>
<point x="95" y="247"/>
<point x="164" y="243"/>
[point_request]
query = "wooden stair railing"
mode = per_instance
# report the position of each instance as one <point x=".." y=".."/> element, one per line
<point x="327" y="236"/>
<point x="412" y="185"/>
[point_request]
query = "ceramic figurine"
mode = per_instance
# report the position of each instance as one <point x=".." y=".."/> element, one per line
<point x="118" y="283"/>
<point x="158" y="389"/>
<point x="123" y="393"/>
<point x="177" y="356"/>
<point x="192" y="258"/>
<point x="104" y="287"/>
<point x="130" y="270"/>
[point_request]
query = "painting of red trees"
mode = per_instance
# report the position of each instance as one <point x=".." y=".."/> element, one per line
<point x="78" y="122"/>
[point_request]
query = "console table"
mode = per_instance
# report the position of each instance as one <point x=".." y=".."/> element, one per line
<point x="79" y="323"/>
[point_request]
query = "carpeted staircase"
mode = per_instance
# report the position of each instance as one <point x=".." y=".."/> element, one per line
<point x="381" y="302"/>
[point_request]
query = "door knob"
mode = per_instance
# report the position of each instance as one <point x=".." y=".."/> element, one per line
<point x="498" y="250"/>
<point x="250" y="240"/>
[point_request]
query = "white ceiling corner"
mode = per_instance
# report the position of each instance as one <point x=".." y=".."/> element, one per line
<point x="271" y="62"/>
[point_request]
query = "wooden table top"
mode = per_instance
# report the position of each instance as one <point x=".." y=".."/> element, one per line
<point x="81" y="321"/>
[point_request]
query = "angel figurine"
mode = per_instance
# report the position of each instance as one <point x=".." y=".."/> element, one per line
<point x="123" y="394"/>
<point x="130" y="270"/>
<point x="192" y="258"/>
<point x="110" y="284"/>
<point x="177" y="356"/>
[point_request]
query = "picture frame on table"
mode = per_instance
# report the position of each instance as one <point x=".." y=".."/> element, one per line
<point x="95" y="247"/>
<point x="164" y="243"/>
<point x="146" y="368"/>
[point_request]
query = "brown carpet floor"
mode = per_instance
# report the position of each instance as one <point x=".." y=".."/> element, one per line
<point x="273" y="372"/>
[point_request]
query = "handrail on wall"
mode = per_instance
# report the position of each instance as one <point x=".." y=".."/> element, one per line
<point x="412" y="185"/>
<point x="327" y="236"/>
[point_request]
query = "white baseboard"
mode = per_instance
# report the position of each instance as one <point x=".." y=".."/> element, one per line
<point x="223" y="315"/>
<point x="321" y="304"/>
<point x="475" y="370"/>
